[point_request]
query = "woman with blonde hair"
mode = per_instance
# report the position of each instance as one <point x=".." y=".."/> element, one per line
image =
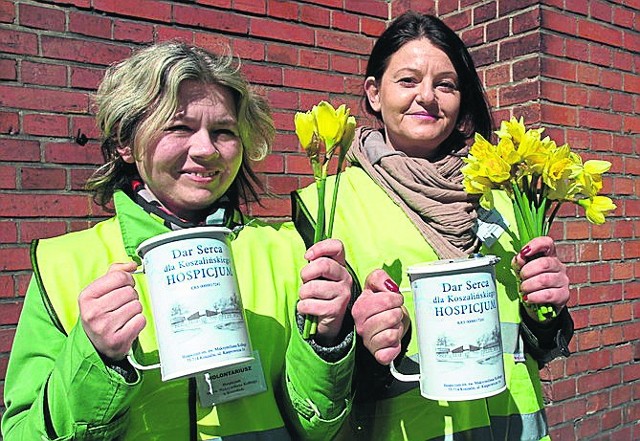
<point x="180" y="127"/>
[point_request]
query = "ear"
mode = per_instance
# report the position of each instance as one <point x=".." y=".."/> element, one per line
<point x="126" y="154"/>
<point x="372" y="92"/>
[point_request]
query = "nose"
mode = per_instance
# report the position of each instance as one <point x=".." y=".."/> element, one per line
<point x="202" y="145"/>
<point x="426" y="93"/>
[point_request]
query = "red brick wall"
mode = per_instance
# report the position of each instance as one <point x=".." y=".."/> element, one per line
<point x="570" y="66"/>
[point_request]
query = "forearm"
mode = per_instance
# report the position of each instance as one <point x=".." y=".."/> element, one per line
<point x="57" y="386"/>
<point x="317" y="392"/>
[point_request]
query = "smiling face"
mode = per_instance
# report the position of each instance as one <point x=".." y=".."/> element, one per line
<point x="197" y="155"/>
<point x="418" y="98"/>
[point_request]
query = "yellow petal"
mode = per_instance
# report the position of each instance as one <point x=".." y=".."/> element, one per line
<point x="328" y="123"/>
<point x="305" y="127"/>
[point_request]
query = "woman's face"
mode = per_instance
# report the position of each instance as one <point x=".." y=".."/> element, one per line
<point x="418" y="97"/>
<point x="197" y="155"/>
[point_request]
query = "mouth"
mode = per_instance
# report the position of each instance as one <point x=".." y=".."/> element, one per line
<point x="201" y="176"/>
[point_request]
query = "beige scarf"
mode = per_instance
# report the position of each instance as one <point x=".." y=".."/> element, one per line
<point x="430" y="193"/>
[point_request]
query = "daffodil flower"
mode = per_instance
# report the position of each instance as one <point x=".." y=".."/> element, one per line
<point x="322" y="131"/>
<point x="539" y="176"/>
<point x="596" y="208"/>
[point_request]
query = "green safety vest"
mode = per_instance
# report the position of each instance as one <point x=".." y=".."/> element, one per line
<point x="171" y="410"/>
<point x="378" y="234"/>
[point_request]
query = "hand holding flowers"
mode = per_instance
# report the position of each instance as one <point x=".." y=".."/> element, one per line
<point x="324" y="131"/>
<point x="539" y="177"/>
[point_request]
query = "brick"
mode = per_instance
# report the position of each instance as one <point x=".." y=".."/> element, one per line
<point x="559" y="69"/>
<point x="271" y="164"/>
<point x="90" y="24"/>
<point x="86" y="77"/>
<point x="558" y="21"/>
<point x="484" y="12"/>
<point x="43" y="205"/>
<point x="7" y="177"/>
<point x="251" y="6"/>
<point x="600" y="273"/>
<point x="164" y="33"/>
<point x="9" y="123"/>
<point x="599" y="315"/>
<point x="343" y="41"/>
<point x="145" y="9"/>
<point x="313" y="15"/>
<point x="222" y="21"/>
<point x="599" y="380"/>
<point x="283" y="99"/>
<point x="526" y="68"/>
<point x="72" y="153"/>
<point x="305" y="79"/>
<point x="79" y="177"/>
<point x="45" y="125"/>
<point x="8" y="70"/>
<point x="260" y="74"/>
<point x="597" y="402"/>
<point x="458" y="21"/>
<point x="17" y="42"/>
<point x="41" y="18"/>
<point x="10" y="312"/>
<point x="6" y="338"/>
<point x="598" y="32"/>
<point x="283" y="9"/>
<point x="42" y="99"/>
<point x="280" y="53"/>
<point x="289" y="32"/>
<point x="560" y="115"/>
<point x="249" y="50"/>
<point x="19" y="150"/>
<point x="14" y="258"/>
<point x="7" y="11"/>
<point x="346" y="64"/>
<point x="519" y="93"/>
<point x="312" y="59"/>
<point x="86" y="125"/>
<point x="44" y="74"/>
<point x="587" y="426"/>
<point x="282" y="185"/>
<point x="473" y="37"/>
<point x="345" y="21"/>
<point x="43" y="178"/>
<point x="134" y="32"/>
<point x="622" y="354"/>
<point x="75" y="49"/>
<point x="377" y="9"/>
<point x="272" y="207"/>
<point x="286" y="142"/>
<point x="40" y="230"/>
<point x="371" y="27"/>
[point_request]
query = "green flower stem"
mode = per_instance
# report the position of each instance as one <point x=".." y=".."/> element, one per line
<point x="310" y="321"/>
<point x="334" y="198"/>
<point x="530" y="221"/>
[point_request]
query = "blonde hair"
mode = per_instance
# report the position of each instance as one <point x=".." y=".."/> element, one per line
<point x="139" y="95"/>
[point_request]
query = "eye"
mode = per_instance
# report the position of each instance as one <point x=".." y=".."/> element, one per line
<point x="408" y="81"/>
<point x="447" y="86"/>
<point x="176" y="128"/>
<point x="224" y="135"/>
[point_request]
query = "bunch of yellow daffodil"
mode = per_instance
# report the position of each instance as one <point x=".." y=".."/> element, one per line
<point x="323" y="131"/>
<point x="538" y="175"/>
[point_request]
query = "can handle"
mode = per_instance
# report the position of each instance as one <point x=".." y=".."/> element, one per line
<point x="139" y="366"/>
<point x="407" y="378"/>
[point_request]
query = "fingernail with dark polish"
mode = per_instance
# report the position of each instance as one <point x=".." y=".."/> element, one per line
<point x="525" y="251"/>
<point x="525" y="297"/>
<point x="391" y="285"/>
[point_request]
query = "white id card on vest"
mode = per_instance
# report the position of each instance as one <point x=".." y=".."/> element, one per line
<point x="490" y="225"/>
<point x="231" y="382"/>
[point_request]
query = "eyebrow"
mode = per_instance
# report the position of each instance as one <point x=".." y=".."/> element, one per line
<point x="226" y="121"/>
